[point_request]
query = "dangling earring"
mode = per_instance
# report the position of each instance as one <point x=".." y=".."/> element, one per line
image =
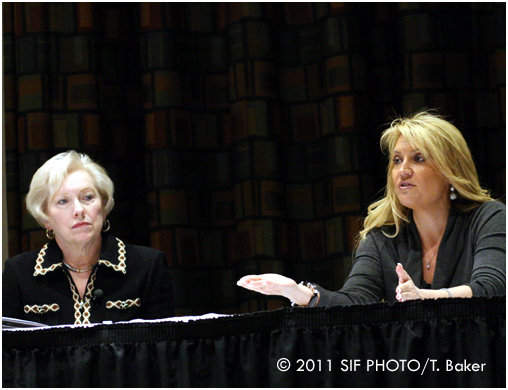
<point x="50" y="233"/>
<point x="453" y="195"/>
<point x="104" y="228"/>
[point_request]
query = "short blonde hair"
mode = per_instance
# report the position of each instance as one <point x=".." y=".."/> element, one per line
<point x="50" y="176"/>
<point x="444" y="147"/>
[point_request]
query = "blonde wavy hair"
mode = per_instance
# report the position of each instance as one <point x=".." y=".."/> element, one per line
<point x="50" y="176"/>
<point x="444" y="147"/>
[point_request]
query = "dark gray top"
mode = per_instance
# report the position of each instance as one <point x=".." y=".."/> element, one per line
<point x="472" y="252"/>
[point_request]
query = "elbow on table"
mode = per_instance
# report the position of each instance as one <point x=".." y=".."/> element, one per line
<point x="488" y="288"/>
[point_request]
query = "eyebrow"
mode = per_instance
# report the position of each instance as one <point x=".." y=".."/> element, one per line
<point x="412" y="151"/>
<point x="80" y="191"/>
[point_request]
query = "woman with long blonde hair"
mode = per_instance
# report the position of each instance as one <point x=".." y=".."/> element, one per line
<point x="434" y="234"/>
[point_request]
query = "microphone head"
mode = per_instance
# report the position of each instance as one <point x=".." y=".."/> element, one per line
<point x="97" y="294"/>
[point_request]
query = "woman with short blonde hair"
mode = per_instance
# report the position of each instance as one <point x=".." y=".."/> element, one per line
<point x="49" y="177"/>
<point x="83" y="274"/>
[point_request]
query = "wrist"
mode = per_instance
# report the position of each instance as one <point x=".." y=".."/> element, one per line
<point x="424" y="293"/>
<point x="447" y="291"/>
<point x="306" y="294"/>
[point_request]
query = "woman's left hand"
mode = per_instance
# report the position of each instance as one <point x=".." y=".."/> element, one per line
<point x="406" y="290"/>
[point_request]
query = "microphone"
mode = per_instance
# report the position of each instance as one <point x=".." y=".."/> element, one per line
<point x="97" y="295"/>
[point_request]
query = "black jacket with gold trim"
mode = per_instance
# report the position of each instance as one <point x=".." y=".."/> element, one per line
<point x="128" y="282"/>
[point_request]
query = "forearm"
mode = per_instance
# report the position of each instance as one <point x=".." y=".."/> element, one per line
<point x="457" y="292"/>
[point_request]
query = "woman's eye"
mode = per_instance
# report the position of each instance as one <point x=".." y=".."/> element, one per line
<point x="62" y="201"/>
<point x="419" y="158"/>
<point x="397" y="160"/>
<point x="89" y="197"/>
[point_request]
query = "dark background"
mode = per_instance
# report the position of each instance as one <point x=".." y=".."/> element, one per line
<point x="242" y="137"/>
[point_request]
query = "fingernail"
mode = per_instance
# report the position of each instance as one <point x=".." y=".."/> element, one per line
<point x="399" y="264"/>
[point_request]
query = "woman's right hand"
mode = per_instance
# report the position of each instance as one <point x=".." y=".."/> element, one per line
<point x="275" y="284"/>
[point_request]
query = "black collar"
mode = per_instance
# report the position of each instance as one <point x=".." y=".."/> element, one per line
<point x="112" y="255"/>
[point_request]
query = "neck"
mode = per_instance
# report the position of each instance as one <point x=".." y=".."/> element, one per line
<point x="81" y="256"/>
<point x="431" y="226"/>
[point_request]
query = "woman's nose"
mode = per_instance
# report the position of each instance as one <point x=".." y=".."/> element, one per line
<point x="78" y="209"/>
<point x="405" y="171"/>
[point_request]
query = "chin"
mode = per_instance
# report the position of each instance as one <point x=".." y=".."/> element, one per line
<point x="405" y="202"/>
<point x="87" y="236"/>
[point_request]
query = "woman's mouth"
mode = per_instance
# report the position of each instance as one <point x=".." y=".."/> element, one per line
<point x="80" y="224"/>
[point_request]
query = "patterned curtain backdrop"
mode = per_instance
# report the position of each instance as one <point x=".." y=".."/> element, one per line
<point x="242" y="137"/>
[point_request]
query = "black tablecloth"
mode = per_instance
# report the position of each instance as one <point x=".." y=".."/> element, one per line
<point x="441" y="343"/>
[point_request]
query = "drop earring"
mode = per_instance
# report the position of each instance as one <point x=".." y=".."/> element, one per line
<point x="453" y="195"/>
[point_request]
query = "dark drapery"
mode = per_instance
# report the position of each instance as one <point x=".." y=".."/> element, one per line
<point x="441" y="343"/>
<point x="242" y="137"/>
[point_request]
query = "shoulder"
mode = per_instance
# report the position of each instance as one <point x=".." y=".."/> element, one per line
<point x="377" y="238"/>
<point x="488" y="212"/>
<point x="21" y="266"/>
<point x="143" y="252"/>
<point x="144" y="260"/>
<point x="384" y="233"/>
<point x="386" y="238"/>
<point x="114" y="249"/>
<point x="484" y="220"/>
<point x="129" y="258"/>
<point x="493" y="206"/>
<point x="23" y="260"/>
<point x="26" y="256"/>
<point x="145" y="257"/>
